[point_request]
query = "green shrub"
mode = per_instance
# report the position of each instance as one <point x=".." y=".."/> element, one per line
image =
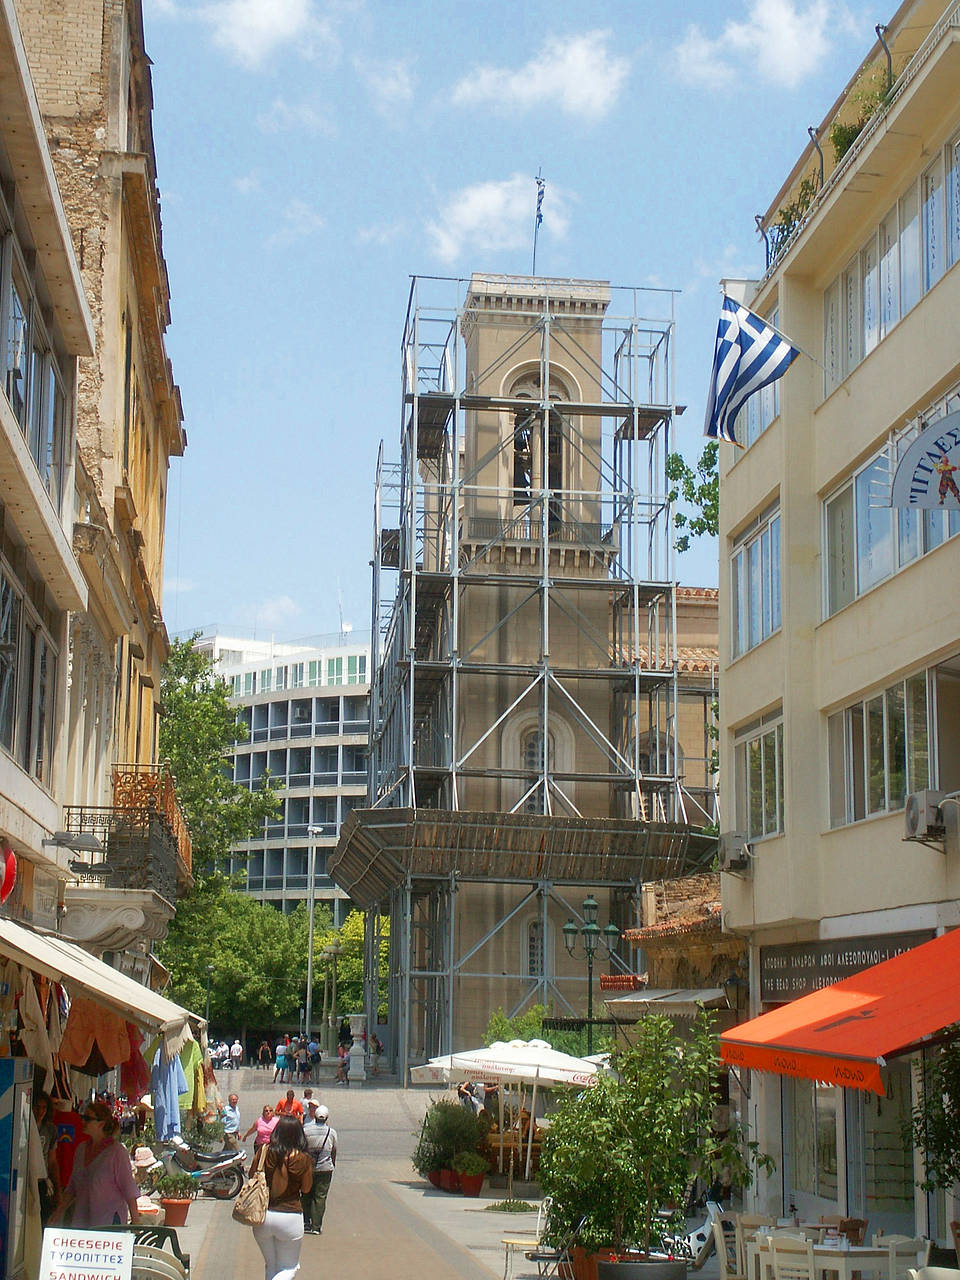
<point x="448" y="1127"/>
<point x="470" y="1162"/>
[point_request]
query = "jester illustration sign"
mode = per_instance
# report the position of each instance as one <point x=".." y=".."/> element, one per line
<point x="927" y="474"/>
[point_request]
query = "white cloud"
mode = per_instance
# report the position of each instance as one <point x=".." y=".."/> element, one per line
<point x="283" y="115"/>
<point x="298" y="221"/>
<point x="783" y="41"/>
<point x="247" y="183"/>
<point x="390" y="83"/>
<point x="493" y="216"/>
<point x="252" y="31"/>
<point x="379" y="233"/>
<point x="575" y="74"/>
<point x="278" y="611"/>
<point x="178" y="586"/>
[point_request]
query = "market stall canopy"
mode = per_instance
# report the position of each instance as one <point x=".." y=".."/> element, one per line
<point x="62" y="961"/>
<point x="522" y="1061"/>
<point x="844" y="1033"/>
<point x="675" y="1002"/>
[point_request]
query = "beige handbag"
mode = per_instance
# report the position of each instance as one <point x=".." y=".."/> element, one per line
<point x="250" y="1206"/>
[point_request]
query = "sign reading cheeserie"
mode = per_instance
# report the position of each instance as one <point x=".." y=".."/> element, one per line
<point x="925" y="475"/>
<point x="797" y="968"/>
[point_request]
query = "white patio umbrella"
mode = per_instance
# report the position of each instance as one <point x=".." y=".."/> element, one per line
<point x="532" y="1062"/>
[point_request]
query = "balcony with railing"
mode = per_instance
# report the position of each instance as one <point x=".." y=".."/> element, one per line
<point x="139" y="849"/>
<point x="152" y="788"/>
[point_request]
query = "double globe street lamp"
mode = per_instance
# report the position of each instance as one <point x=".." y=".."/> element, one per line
<point x="590" y="934"/>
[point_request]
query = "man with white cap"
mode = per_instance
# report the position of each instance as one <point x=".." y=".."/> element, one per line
<point x="322" y="1149"/>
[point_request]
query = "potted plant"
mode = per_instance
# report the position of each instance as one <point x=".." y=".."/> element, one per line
<point x="471" y="1167"/>
<point x="448" y="1127"/>
<point x="175" y="1190"/>
<point x="620" y="1156"/>
<point x="934" y="1124"/>
<point x="427" y="1160"/>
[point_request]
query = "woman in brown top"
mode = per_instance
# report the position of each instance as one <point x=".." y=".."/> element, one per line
<point x="289" y="1171"/>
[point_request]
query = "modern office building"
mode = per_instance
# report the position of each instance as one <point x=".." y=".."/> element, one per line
<point x="839" y="628"/>
<point x="307" y="710"/>
<point x="530" y="745"/>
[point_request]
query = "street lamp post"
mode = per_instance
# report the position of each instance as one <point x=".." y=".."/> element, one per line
<point x="334" y="950"/>
<point x="312" y="833"/>
<point x="209" y="976"/>
<point x="590" y="933"/>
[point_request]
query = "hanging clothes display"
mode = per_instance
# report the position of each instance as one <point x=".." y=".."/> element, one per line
<point x="134" y="1073"/>
<point x="167" y="1083"/>
<point x="93" y="1035"/>
<point x="33" y="1031"/>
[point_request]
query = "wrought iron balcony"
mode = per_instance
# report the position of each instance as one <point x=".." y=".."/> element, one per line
<point x="140" y="849"/>
<point x="152" y="788"/>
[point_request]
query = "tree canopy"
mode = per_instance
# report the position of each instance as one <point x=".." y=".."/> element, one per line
<point x="698" y="488"/>
<point x="198" y="728"/>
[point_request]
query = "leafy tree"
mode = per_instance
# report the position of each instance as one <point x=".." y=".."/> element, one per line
<point x="198" y="728"/>
<point x="935" y="1122"/>
<point x="528" y="1025"/>
<point x="350" y="997"/>
<point x="698" y="488"/>
<point x="258" y="956"/>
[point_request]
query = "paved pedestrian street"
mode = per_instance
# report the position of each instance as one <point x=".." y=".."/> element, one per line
<point x="381" y="1219"/>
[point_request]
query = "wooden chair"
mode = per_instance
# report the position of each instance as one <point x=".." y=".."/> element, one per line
<point x="905" y="1252"/>
<point x="748" y="1224"/>
<point x="728" y="1253"/>
<point x="792" y="1258"/>
<point x="855" y="1229"/>
<point x="527" y="1240"/>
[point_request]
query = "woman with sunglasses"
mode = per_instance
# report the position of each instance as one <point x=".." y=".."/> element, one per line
<point x="101" y="1191"/>
<point x="263" y="1126"/>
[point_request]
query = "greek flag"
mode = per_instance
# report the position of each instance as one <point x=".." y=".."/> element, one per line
<point x="749" y="355"/>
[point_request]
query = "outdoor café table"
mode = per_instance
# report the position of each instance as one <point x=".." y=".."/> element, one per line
<point x="828" y="1259"/>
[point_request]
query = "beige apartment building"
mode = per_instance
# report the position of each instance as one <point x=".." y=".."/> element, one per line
<point x="839" y="625"/>
<point x="91" y="77"/>
<point x="539" y="689"/>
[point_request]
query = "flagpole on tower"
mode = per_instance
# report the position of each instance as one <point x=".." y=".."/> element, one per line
<point x="539" y="215"/>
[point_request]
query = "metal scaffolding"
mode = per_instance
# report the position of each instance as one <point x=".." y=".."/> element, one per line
<point x="440" y="556"/>
<point x="524" y="691"/>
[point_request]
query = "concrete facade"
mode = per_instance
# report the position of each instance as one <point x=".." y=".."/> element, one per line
<point x="839" y="636"/>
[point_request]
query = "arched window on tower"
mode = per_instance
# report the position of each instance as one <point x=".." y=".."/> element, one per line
<point x="537" y="958"/>
<point x="529" y="473"/>
<point x="537" y="752"/>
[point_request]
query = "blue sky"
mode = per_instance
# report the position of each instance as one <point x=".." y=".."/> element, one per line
<point x="313" y="156"/>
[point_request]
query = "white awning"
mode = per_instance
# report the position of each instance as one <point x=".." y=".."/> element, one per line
<point x="65" y="962"/>
<point x="675" y="1002"/>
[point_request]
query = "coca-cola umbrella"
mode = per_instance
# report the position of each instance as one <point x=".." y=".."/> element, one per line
<point x="533" y="1062"/>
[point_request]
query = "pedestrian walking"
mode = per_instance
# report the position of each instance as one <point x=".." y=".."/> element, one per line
<point x="265" y="1055"/>
<point x="289" y="1174"/>
<point x="236" y="1055"/>
<point x="231" y="1123"/>
<point x="343" y="1065"/>
<point x="280" y="1069"/>
<point x="263" y="1126"/>
<point x="321" y="1142"/>
<point x="289" y="1106"/>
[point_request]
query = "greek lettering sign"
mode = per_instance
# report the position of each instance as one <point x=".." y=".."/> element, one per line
<point x="926" y="474"/>
<point x="794" y="970"/>
<point x="69" y="1254"/>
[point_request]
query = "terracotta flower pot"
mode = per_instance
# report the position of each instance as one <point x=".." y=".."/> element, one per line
<point x="471" y="1183"/>
<point x="174" y="1212"/>
<point x="449" y="1180"/>
<point x="434" y="1177"/>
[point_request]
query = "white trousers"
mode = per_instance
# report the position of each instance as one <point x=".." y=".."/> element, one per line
<point x="279" y="1238"/>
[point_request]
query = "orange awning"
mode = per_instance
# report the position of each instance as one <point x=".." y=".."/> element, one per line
<point x="844" y="1033"/>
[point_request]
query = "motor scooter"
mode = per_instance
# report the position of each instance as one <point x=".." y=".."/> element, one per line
<point x="219" y="1173"/>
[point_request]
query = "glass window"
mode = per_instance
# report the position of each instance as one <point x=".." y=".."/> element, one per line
<point x="870" y="295"/>
<point x="755" y="582"/>
<point x="852" y="317"/>
<point x="909" y="250"/>
<point x="889" y="273"/>
<point x="952" y="200"/>
<point x="832" y="349"/>
<point x="9" y="641"/>
<point x="266" y="679"/>
<point x="933" y="226"/>
<point x="759" y="763"/>
<point x="15" y="366"/>
<point x="874" y="526"/>
<point x="335" y="671"/>
<point x="878" y="751"/>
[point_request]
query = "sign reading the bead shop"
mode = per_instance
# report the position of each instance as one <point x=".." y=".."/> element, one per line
<point x="799" y="968"/>
<point x="927" y="475"/>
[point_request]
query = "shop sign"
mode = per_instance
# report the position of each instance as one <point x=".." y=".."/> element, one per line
<point x="925" y="475"/>
<point x="797" y="968"/>
<point x="92" y="1254"/>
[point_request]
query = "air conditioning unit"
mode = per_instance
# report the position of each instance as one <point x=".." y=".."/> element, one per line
<point x="733" y="851"/>
<point x="922" y="820"/>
